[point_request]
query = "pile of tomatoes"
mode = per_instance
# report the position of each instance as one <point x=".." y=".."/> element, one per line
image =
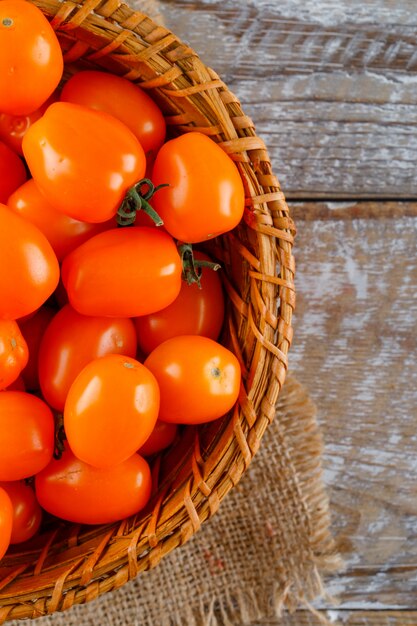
<point x="109" y="317"/>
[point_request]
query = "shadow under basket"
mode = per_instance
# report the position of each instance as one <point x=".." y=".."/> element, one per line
<point x="70" y="564"/>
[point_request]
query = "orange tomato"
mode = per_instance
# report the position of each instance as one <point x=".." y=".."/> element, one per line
<point x="110" y="411"/>
<point x="122" y="99"/>
<point x="160" y="438"/>
<point x="14" y="352"/>
<point x="205" y="195"/>
<point x="12" y="172"/>
<point x="71" y="341"/>
<point x="14" y="127"/>
<point x="63" y="232"/>
<point x="83" y="161"/>
<point x="77" y="492"/>
<point x="196" y="311"/>
<point x="17" y="385"/>
<point x="31" y="61"/>
<point x="32" y="267"/>
<point x="27" y="514"/>
<point x="6" y="521"/>
<point x="27" y="435"/>
<point x="33" y="330"/>
<point x="124" y="272"/>
<point x="199" y="379"/>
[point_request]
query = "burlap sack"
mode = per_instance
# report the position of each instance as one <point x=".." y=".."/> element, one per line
<point x="265" y="550"/>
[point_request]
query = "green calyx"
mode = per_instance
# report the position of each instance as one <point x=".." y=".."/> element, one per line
<point x="191" y="267"/>
<point x="137" y="199"/>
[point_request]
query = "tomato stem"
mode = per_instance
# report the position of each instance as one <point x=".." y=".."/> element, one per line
<point x="192" y="267"/>
<point x="136" y="199"/>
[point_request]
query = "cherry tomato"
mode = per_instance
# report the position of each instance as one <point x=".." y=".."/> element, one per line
<point x="27" y="514"/>
<point x="161" y="437"/>
<point x="6" y="521"/>
<point x="13" y="127"/>
<point x="124" y="272"/>
<point x="33" y="330"/>
<point x="27" y="435"/>
<point x="83" y="161"/>
<point x="63" y="232"/>
<point x="111" y="410"/>
<point x="77" y="492"/>
<point x="195" y="312"/>
<point x="12" y="171"/>
<point x="14" y="352"/>
<point x="205" y="197"/>
<point x="31" y="61"/>
<point x="122" y="99"/>
<point x="199" y="379"/>
<point x="32" y="268"/>
<point x="71" y="341"/>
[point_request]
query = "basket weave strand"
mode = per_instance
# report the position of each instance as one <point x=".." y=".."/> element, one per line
<point x="69" y="564"/>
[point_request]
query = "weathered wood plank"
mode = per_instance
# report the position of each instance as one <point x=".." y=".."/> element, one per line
<point x="331" y="86"/>
<point x="345" y="618"/>
<point x="351" y="209"/>
<point x="354" y="349"/>
<point x="289" y="37"/>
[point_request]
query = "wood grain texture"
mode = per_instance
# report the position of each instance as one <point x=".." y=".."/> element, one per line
<point x="331" y="86"/>
<point x="351" y="209"/>
<point x="346" y="618"/>
<point x="354" y="349"/>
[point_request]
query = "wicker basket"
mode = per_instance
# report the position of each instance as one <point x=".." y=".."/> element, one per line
<point x="69" y="564"/>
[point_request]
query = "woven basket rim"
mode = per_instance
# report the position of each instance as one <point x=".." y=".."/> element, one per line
<point x="70" y="565"/>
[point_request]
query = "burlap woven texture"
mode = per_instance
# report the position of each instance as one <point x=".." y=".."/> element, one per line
<point x="265" y="550"/>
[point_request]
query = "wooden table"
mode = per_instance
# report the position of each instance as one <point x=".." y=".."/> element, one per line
<point x="332" y="87"/>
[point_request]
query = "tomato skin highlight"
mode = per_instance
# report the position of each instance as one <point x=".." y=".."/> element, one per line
<point x="161" y="437"/>
<point x="205" y="196"/>
<point x="27" y="441"/>
<point x="111" y="410"/>
<point x="71" y="341"/>
<point x="33" y="330"/>
<point x="27" y="514"/>
<point x="6" y="520"/>
<point x="194" y="312"/>
<point x="199" y="379"/>
<point x="139" y="267"/>
<point x="122" y="99"/>
<point x="63" y="233"/>
<point x="32" y="272"/>
<point x="83" y="161"/>
<point x="12" y="171"/>
<point x="80" y="493"/>
<point x="14" y="353"/>
<point x="31" y="54"/>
